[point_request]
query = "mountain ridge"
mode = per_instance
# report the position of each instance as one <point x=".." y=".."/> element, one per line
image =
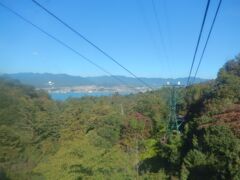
<point x="44" y="80"/>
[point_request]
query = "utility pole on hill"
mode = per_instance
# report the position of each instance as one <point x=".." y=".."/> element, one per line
<point x="173" y="121"/>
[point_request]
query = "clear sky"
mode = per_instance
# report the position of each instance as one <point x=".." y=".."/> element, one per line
<point x="126" y="29"/>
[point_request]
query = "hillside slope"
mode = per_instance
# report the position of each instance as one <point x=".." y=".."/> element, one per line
<point x="121" y="137"/>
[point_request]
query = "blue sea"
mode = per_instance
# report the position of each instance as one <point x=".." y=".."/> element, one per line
<point x="64" y="96"/>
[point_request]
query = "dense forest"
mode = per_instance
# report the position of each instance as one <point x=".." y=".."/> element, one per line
<point x="122" y="137"/>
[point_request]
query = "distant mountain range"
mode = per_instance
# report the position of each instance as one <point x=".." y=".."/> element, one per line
<point x="46" y="80"/>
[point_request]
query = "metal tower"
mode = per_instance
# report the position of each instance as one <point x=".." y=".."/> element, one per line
<point x="174" y="122"/>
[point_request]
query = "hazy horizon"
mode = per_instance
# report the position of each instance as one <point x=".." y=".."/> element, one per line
<point x="97" y="75"/>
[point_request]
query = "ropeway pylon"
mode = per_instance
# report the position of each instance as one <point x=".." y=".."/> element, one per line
<point x="174" y="122"/>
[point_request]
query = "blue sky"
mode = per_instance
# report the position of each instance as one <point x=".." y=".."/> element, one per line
<point x="126" y="29"/>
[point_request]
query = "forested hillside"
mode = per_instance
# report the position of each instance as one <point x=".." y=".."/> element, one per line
<point x="122" y="137"/>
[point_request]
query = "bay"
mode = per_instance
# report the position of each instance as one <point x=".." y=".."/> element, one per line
<point x="64" y="96"/>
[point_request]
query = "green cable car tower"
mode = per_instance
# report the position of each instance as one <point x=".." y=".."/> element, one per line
<point x="174" y="122"/>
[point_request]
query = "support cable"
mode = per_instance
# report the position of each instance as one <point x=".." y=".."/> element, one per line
<point x="209" y="34"/>
<point x="92" y="44"/>
<point x="199" y="37"/>
<point x="63" y="44"/>
<point x="161" y="34"/>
